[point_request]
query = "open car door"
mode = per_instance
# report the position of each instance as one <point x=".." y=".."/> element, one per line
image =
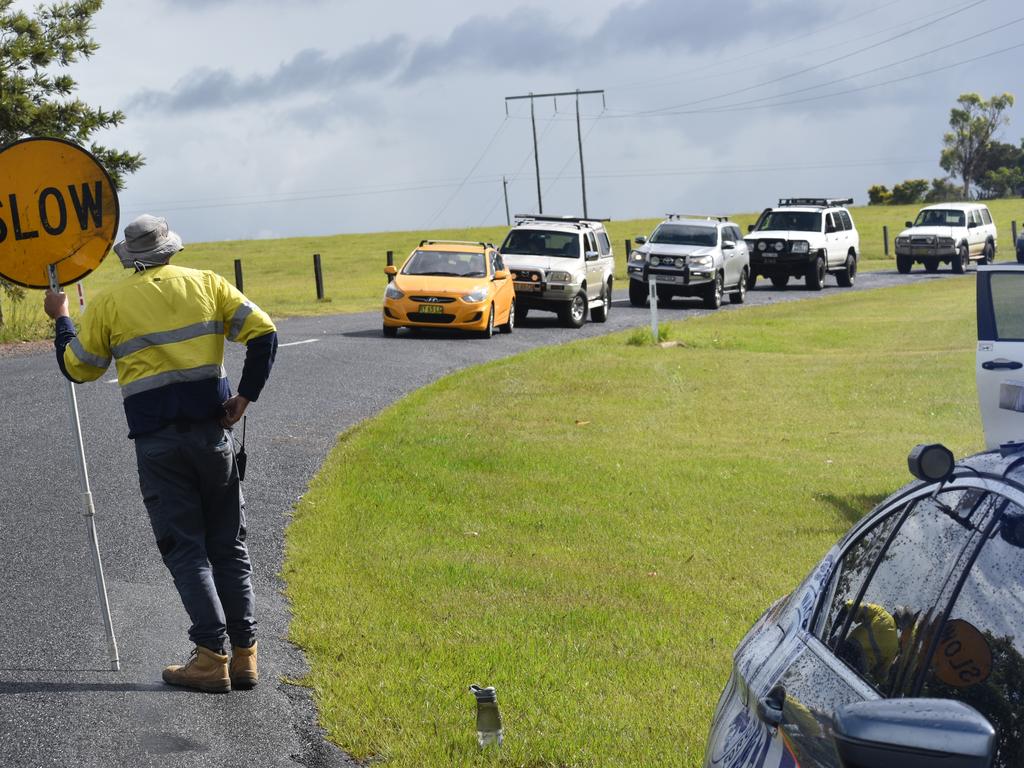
<point x="1000" y="358"/>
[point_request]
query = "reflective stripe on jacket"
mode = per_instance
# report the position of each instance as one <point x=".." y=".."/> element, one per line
<point x="163" y="326"/>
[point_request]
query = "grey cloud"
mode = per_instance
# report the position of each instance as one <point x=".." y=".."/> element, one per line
<point x="310" y="71"/>
<point x="525" y="40"/>
<point x="530" y="39"/>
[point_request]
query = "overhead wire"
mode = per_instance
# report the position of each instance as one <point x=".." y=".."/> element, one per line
<point x="458" y="189"/>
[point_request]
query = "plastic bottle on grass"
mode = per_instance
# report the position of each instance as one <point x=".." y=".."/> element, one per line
<point x="488" y="718"/>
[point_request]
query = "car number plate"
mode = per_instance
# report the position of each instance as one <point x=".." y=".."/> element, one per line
<point x="431" y="309"/>
<point x="668" y="278"/>
<point x="528" y="287"/>
<point x="769" y="257"/>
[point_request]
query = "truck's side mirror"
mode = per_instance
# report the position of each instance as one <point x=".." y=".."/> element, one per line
<point x="502" y="274"/>
<point x="750" y="227"/>
<point x="639" y="239"/>
<point x="896" y="733"/>
<point x="972" y="225"/>
<point x="390" y="270"/>
<point x="728" y="245"/>
<point x="591" y="255"/>
<point x="908" y="224"/>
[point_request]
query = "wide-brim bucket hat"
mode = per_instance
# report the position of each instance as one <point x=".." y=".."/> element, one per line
<point x="148" y="240"/>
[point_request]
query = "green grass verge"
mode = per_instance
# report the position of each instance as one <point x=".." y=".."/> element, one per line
<point x="592" y="527"/>
<point x="278" y="274"/>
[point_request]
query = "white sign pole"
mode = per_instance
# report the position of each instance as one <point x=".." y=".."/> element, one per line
<point x="90" y="510"/>
<point x="652" y="293"/>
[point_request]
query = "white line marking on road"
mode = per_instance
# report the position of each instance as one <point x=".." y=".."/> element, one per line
<point x="296" y="343"/>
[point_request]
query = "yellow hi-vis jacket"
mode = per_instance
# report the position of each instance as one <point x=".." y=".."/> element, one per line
<point x="164" y="327"/>
<point x="876" y="635"/>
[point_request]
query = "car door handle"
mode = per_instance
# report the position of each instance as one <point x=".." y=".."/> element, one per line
<point x="1002" y="365"/>
<point x="769" y="708"/>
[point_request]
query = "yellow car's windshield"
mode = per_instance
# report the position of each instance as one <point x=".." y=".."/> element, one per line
<point x="446" y="263"/>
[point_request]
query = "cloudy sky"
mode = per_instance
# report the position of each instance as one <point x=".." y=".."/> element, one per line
<point x="275" y="118"/>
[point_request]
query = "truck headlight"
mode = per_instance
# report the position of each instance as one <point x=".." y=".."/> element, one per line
<point x="655" y="261"/>
<point x="701" y="262"/>
<point x="946" y="242"/>
<point x="902" y="241"/>
<point x="800" y="246"/>
<point x="637" y="256"/>
<point x="391" y="292"/>
<point x="560" y="277"/>
<point x="478" y="295"/>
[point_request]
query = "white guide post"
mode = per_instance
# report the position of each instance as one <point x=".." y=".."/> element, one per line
<point x="652" y="293"/>
<point x="89" y="511"/>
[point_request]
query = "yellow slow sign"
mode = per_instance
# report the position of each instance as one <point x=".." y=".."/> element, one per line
<point x="57" y="206"/>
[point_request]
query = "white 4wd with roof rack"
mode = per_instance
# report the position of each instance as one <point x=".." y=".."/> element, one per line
<point x="954" y="233"/>
<point x="690" y="256"/>
<point x="806" y="238"/>
<point x="561" y="264"/>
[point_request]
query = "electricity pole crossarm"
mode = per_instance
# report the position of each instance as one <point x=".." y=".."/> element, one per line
<point x="579" y="135"/>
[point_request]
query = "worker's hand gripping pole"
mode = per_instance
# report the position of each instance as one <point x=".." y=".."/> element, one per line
<point x="89" y="510"/>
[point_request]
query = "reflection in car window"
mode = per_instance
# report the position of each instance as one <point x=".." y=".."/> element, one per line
<point x="497" y="263"/>
<point x="881" y="636"/>
<point x="606" y="246"/>
<point x="535" y="242"/>
<point x="986" y="216"/>
<point x="847" y="221"/>
<point x="979" y="655"/>
<point x="800" y="221"/>
<point x="454" y="264"/>
<point x="685" y="234"/>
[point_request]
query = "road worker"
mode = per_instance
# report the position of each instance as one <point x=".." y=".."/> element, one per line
<point x="164" y="326"/>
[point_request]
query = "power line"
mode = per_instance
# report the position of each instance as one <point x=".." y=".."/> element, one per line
<point x="805" y="70"/>
<point x="458" y="189"/>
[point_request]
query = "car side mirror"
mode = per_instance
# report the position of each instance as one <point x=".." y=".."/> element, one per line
<point x="390" y="270"/>
<point x="750" y="227"/>
<point x="908" y="224"/>
<point x="728" y="245"/>
<point x="894" y="733"/>
<point x="639" y="239"/>
<point x="502" y="274"/>
<point x="972" y="225"/>
<point x="591" y="255"/>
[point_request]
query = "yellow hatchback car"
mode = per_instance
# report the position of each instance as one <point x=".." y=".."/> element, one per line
<point x="453" y="284"/>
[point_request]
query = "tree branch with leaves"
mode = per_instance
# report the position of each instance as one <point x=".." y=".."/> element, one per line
<point x="973" y="124"/>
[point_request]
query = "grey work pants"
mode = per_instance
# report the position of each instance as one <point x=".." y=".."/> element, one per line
<point x="190" y="487"/>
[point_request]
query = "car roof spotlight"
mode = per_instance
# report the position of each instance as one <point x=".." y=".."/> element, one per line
<point x="932" y="462"/>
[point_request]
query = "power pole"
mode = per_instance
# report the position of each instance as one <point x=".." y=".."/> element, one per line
<point x="579" y="135"/>
<point x="504" y="185"/>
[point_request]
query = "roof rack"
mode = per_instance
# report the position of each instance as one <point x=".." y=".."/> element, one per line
<point x="564" y="219"/>
<point x="675" y="216"/>
<point x="456" y="242"/>
<point x="817" y="202"/>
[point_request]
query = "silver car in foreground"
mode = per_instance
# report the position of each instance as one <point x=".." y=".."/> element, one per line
<point x="904" y="647"/>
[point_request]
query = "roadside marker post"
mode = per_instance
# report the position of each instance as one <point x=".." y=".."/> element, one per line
<point x="58" y="222"/>
<point x="390" y="263"/>
<point x="1013" y="227"/>
<point x="318" y="276"/>
<point x="885" y="239"/>
<point x="238" y="275"/>
<point x="652" y="295"/>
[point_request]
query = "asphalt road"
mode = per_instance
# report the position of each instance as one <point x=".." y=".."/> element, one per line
<point x="59" y="704"/>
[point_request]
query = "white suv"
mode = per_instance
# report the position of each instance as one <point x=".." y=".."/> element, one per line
<point x="561" y="264"/>
<point x="690" y="256"/>
<point x="806" y="238"/>
<point x="955" y="233"/>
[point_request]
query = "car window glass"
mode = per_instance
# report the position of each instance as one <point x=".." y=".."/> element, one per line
<point x="986" y="216"/>
<point x="534" y="242"/>
<point x="1008" y="305"/>
<point x="847" y="221"/>
<point x="802" y="221"/>
<point x="684" y="234"/>
<point x="604" y="243"/>
<point x="938" y="217"/>
<point x="979" y="654"/>
<point x="879" y="636"/>
<point x="497" y="262"/>
<point x="591" y="245"/>
<point x="452" y="264"/>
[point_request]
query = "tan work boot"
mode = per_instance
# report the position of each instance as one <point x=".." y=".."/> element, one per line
<point x="205" y="670"/>
<point x="243" y="667"/>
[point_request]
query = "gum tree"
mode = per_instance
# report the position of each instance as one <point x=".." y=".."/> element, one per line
<point x="973" y="124"/>
<point x="37" y="93"/>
